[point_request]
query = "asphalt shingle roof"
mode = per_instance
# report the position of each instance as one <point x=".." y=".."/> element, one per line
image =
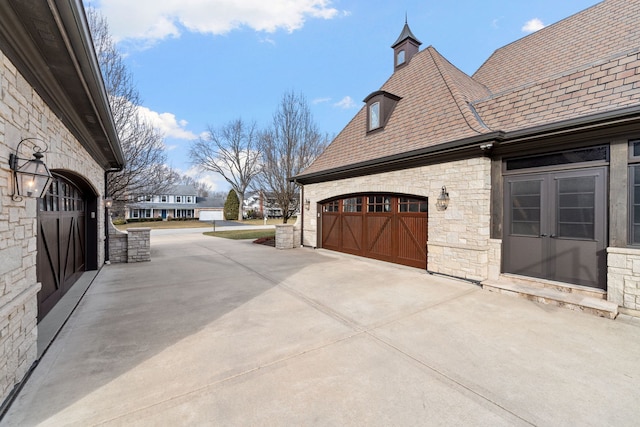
<point x="608" y="27"/>
<point x="586" y="64"/>
<point x="434" y="109"/>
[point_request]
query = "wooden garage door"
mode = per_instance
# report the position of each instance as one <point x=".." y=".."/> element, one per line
<point x="61" y="242"/>
<point x="386" y="227"/>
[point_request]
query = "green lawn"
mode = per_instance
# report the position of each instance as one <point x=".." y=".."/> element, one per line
<point x="242" y="234"/>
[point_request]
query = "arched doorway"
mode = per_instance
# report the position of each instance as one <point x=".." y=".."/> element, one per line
<point x="67" y="238"/>
<point x="388" y="227"/>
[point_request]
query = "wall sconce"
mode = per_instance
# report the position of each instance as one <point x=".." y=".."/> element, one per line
<point x="307" y="204"/>
<point x="31" y="178"/>
<point x="443" y="199"/>
<point x="108" y="202"/>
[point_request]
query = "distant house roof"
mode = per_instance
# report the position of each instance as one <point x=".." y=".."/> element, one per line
<point x="181" y="190"/>
<point x="442" y="106"/>
<point x="210" y="202"/>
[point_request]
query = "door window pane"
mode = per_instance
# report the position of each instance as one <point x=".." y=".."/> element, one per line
<point x="379" y="204"/>
<point x="352" y="204"/>
<point x="525" y="208"/>
<point x="635" y="205"/>
<point x="591" y="154"/>
<point x="331" y="206"/>
<point x="576" y="207"/>
<point x="408" y="204"/>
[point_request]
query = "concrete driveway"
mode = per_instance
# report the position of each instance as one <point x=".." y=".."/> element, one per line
<point x="219" y="332"/>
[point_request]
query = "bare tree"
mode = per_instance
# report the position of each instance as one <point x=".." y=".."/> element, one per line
<point x="142" y="144"/>
<point x="231" y="151"/>
<point x="288" y="147"/>
<point x="203" y="189"/>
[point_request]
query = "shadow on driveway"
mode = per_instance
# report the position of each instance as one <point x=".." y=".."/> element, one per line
<point x="221" y="332"/>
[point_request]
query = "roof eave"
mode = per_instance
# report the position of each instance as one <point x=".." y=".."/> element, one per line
<point x="399" y="161"/>
<point x="72" y="87"/>
<point x="593" y="121"/>
<point x="619" y="117"/>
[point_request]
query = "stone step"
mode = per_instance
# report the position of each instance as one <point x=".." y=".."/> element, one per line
<point x="559" y="286"/>
<point x="552" y="296"/>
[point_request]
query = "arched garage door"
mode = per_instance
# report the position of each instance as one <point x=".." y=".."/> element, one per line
<point x="390" y="228"/>
<point x="62" y="241"/>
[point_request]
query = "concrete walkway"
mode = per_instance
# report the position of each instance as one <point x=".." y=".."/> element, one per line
<point x="219" y="332"/>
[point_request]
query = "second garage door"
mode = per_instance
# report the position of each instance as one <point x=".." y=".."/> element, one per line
<point x="386" y="227"/>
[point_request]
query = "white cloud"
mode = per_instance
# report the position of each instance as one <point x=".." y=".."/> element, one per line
<point x="346" y="103"/>
<point x="533" y="25"/>
<point x="152" y="20"/>
<point x="320" y="101"/>
<point x="167" y="124"/>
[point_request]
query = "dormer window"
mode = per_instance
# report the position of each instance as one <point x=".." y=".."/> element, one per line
<point x="400" y="58"/>
<point x="380" y="105"/>
<point x="374" y="116"/>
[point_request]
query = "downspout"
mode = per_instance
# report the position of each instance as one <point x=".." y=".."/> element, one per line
<point x="302" y="205"/>
<point x="106" y="214"/>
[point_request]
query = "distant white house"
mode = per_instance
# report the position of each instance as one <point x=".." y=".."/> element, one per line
<point x="180" y="201"/>
<point x="261" y="204"/>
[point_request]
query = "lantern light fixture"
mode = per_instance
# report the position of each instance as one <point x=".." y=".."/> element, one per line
<point x="31" y="178"/>
<point x="443" y="199"/>
<point x="307" y="204"/>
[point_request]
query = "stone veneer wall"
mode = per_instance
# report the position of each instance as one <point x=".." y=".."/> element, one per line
<point x="285" y="236"/>
<point x="133" y="245"/>
<point x="458" y="240"/>
<point x="117" y="244"/>
<point x="623" y="277"/>
<point x="23" y="114"/>
<point x="139" y="244"/>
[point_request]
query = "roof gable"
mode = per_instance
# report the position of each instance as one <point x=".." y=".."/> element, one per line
<point x="433" y="109"/>
<point x="582" y="70"/>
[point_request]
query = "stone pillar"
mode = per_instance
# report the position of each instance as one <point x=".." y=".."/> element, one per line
<point x="117" y="244"/>
<point x="284" y="236"/>
<point x="139" y="244"/>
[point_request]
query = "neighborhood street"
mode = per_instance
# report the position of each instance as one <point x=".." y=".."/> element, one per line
<point x="222" y="332"/>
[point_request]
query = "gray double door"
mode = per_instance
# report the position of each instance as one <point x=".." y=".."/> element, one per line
<point x="555" y="226"/>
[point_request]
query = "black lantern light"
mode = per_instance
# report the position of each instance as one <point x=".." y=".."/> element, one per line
<point x="31" y="178"/>
<point x="443" y="199"/>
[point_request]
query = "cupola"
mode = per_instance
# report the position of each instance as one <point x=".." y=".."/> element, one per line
<point x="405" y="47"/>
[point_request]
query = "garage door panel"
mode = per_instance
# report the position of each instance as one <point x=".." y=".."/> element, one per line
<point x="385" y="227"/>
<point x="380" y="236"/>
<point x="48" y="257"/>
<point x="412" y="240"/>
<point x="352" y="233"/>
<point x="331" y="231"/>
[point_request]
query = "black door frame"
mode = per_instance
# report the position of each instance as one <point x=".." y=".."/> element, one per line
<point x="548" y="255"/>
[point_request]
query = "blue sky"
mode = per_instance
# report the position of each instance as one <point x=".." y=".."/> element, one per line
<point x="199" y="63"/>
